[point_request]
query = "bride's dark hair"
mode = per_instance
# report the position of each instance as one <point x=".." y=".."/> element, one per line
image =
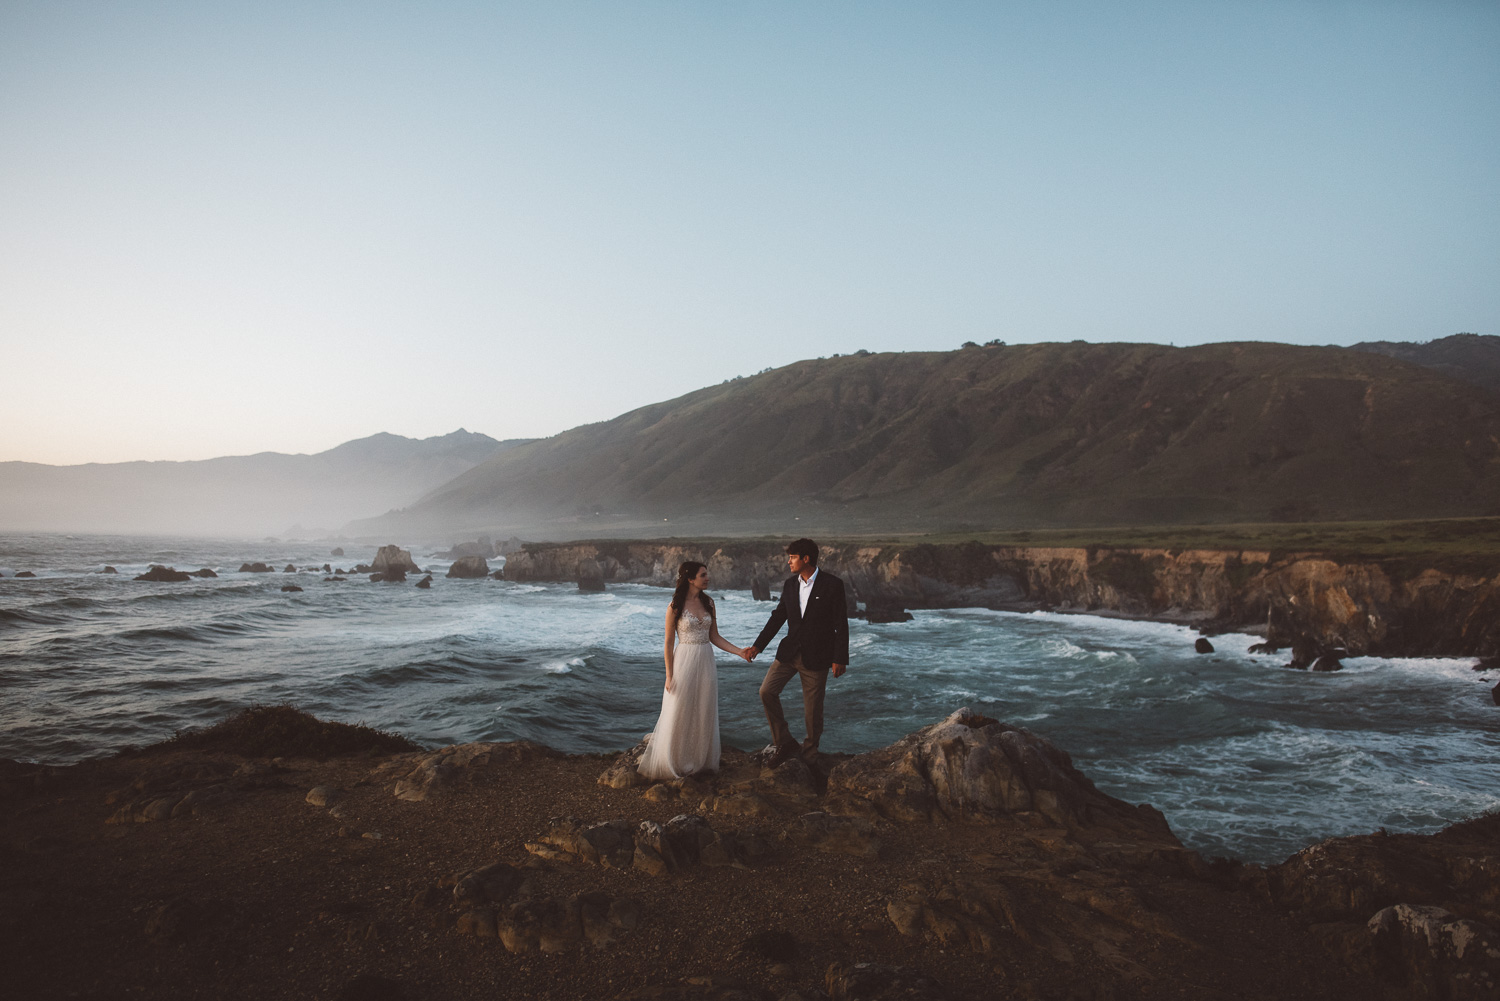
<point x="686" y="573"/>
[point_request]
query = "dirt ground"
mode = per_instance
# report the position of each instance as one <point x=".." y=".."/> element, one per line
<point x="263" y="895"/>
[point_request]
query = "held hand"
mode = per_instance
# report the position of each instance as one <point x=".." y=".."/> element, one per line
<point x="838" y="670"/>
<point x="750" y="653"/>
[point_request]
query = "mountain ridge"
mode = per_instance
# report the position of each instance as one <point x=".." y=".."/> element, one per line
<point x="261" y="493"/>
<point x="1004" y="437"/>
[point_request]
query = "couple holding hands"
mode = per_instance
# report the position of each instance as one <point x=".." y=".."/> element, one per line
<point x="814" y="609"/>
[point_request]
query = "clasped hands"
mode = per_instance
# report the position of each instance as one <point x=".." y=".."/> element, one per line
<point x="750" y="653"/>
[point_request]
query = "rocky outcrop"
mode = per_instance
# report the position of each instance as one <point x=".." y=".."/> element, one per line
<point x="1420" y="912"/>
<point x="164" y="574"/>
<point x="393" y="558"/>
<point x="255" y="568"/>
<point x="469" y="568"/>
<point x="1369" y="607"/>
<point x="970" y="767"/>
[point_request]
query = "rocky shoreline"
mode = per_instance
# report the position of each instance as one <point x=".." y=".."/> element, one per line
<point x="968" y="859"/>
<point x="1308" y="602"/>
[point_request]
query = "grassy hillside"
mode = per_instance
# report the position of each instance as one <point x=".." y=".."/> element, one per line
<point x="1009" y="438"/>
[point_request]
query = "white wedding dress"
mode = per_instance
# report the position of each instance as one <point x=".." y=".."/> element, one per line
<point x="686" y="739"/>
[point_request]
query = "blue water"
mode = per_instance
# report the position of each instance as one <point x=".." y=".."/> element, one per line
<point x="1244" y="757"/>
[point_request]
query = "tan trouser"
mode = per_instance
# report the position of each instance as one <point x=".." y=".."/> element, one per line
<point x="813" y="684"/>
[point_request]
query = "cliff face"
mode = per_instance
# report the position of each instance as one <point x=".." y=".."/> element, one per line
<point x="1385" y="608"/>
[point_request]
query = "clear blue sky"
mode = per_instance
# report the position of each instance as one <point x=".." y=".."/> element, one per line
<point x="227" y="228"/>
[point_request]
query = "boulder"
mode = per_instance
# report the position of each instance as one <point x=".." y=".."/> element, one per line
<point x="391" y="576"/>
<point x="290" y="569"/>
<point x="109" y="570"/>
<point x="1202" y="645"/>
<point x="254" y="568"/>
<point x="624" y="771"/>
<point x="336" y="551"/>
<point x="975" y="768"/>
<point x="394" y="558"/>
<point x="1328" y="662"/>
<point x="28" y="573"/>
<point x="469" y="568"/>
<point x="494" y="884"/>
<point x="425" y="583"/>
<point x="290" y="587"/>
<point x="157" y="573"/>
<point x="205" y="573"/>
<point x="886" y="611"/>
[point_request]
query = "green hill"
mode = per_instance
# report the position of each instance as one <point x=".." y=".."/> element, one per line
<point x="1001" y="438"/>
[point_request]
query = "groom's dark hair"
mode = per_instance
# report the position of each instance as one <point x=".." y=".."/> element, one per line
<point x="806" y="548"/>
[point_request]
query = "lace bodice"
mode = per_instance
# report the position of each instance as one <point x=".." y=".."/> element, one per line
<point x="691" y="629"/>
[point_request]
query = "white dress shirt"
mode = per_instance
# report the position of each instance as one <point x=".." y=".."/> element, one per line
<point x="806" y="585"/>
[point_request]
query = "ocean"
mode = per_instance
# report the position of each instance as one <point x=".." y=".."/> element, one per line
<point x="1245" y="758"/>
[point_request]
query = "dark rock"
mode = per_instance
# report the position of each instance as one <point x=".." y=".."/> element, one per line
<point x="1327" y="662"/>
<point x="1495" y="694"/>
<point x="362" y="568"/>
<point x="496" y="884"/>
<point x="336" y="551"/>
<point x="499" y="574"/>
<point x="327" y="568"/>
<point x="392" y="576"/>
<point x="109" y="570"/>
<point x="1485" y="664"/>
<point x="1202" y="645"/>
<point x="289" y="569"/>
<point x="1264" y="648"/>
<point x="335" y="578"/>
<point x="590" y="576"/>
<point x="760" y="589"/>
<point x="157" y="573"/>
<point x="290" y="587"/>
<point x="425" y="583"/>
<point x="469" y="568"/>
<point x="1304" y="652"/>
<point x="880" y="611"/>
<point x="394" y="558"/>
<point x="28" y="573"/>
<point x="254" y="568"/>
<point x="205" y="573"/>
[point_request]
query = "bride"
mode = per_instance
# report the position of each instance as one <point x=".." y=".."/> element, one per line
<point x="686" y="739"/>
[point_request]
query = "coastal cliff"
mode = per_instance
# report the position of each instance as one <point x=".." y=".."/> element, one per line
<point x="1372" y="607"/>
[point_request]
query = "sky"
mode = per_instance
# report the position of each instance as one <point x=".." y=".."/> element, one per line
<point x="228" y="228"/>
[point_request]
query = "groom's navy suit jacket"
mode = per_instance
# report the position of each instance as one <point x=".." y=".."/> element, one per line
<point x="821" y="636"/>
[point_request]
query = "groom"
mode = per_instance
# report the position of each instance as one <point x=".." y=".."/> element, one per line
<point x="817" y="642"/>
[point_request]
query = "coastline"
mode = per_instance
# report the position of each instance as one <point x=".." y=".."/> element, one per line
<point x="1304" y="600"/>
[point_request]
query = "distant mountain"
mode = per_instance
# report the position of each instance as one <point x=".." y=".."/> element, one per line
<point x="264" y="494"/>
<point x="1471" y="357"/>
<point x="995" y="437"/>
